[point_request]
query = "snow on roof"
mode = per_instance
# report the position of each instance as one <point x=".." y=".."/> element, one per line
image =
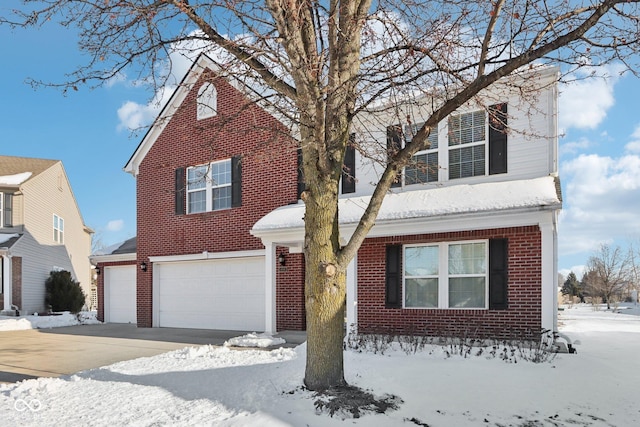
<point x="456" y="199"/>
<point x="6" y="237"/>
<point x="16" y="179"/>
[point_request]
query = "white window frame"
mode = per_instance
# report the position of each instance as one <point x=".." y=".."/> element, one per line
<point x="210" y="187"/>
<point x="207" y="101"/>
<point x="444" y="276"/>
<point x="1" y="215"/>
<point x="443" y="149"/>
<point x="408" y="132"/>
<point x="484" y="142"/>
<point x="58" y="229"/>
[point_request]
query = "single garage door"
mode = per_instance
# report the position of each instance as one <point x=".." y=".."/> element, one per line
<point x="212" y="294"/>
<point x="120" y="294"/>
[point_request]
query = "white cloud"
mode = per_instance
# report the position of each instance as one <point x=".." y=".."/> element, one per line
<point x="584" y="103"/>
<point x="133" y="115"/>
<point x="115" y="225"/>
<point x="633" y="146"/>
<point x="573" y="147"/>
<point x="601" y="201"/>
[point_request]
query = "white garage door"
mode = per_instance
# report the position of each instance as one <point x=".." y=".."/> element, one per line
<point x="212" y="294"/>
<point x="120" y="294"/>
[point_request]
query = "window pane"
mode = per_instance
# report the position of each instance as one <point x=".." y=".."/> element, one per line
<point x="421" y="261"/>
<point x="467" y="128"/>
<point x="197" y="178"/>
<point x="467" y="161"/>
<point x="421" y="293"/>
<point x="467" y="258"/>
<point x="197" y="201"/>
<point x="61" y="224"/>
<point x="221" y="173"/>
<point x="221" y="198"/>
<point x="467" y="292"/>
<point x="423" y="168"/>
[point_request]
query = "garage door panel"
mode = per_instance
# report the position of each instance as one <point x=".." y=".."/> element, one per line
<point x="212" y="294"/>
<point x="120" y="294"/>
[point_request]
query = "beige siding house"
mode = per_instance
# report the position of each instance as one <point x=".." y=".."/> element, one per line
<point x="41" y="229"/>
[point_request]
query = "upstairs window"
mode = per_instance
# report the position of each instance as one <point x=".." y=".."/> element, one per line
<point x="207" y="101"/>
<point x="474" y="144"/>
<point x="211" y="187"/>
<point x="467" y="142"/>
<point x="6" y="210"/>
<point x="424" y="164"/>
<point x="58" y="229"/>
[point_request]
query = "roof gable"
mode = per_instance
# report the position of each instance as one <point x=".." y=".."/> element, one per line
<point x="198" y="68"/>
<point x="11" y="166"/>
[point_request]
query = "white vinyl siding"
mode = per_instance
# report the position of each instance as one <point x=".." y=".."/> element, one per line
<point x="41" y="197"/>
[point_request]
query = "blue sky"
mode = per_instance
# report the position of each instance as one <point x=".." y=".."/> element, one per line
<point x="87" y="130"/>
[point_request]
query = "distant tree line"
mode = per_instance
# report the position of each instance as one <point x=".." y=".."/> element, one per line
<point x="612" y="275"/>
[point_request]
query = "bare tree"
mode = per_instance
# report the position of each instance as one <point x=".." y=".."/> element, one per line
<point x="634" y="269"/>
<point x="323" y="63"/>
<point x="608" y="273"/>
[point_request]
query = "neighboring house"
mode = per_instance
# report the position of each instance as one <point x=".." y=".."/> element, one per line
<point x="466" y="240"/>
<point x="41" y="230"/>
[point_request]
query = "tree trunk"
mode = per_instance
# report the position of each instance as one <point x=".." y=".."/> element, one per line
<point x="325" y="289"/>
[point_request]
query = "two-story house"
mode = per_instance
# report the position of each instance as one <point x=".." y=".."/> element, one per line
<point x="41" y="230"/>
<point x="466" y="239"/>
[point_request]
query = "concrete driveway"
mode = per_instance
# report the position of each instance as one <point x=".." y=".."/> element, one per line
<point x="55" y="352"/>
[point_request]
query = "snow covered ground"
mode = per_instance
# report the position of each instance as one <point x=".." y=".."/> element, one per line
<point x="598" y="386"/>
<point x="44" y="322"/>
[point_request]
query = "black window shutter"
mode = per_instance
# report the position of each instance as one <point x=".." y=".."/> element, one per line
<point x="394" y="144"/>
<point x="301" y="185"/>
<point x="498" y="274"/>
<point x="349" y="167"/>
<point x="393" y="277"/>
<point x="180" y="191"/>
<point x="498" y="139"/>
<point x="236" y="181"/>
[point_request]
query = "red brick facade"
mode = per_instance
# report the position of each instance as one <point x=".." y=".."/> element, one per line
<point x="290" y="309"/>
<point x="269" y="175"/>
<point x="524" y="289"/>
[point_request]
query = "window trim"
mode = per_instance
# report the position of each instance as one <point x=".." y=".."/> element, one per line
<point x="58" y="229"/>
<point x="444" y="276"/>
<point x="209" y="186"/>
<point x="460" y="146"/>
<point x="495" y="144"/>
<point x="410" y="130"/>
<point x="207" y="101"/>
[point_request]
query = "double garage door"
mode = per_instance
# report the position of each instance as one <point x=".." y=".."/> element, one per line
<point x="210" y="294"/>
